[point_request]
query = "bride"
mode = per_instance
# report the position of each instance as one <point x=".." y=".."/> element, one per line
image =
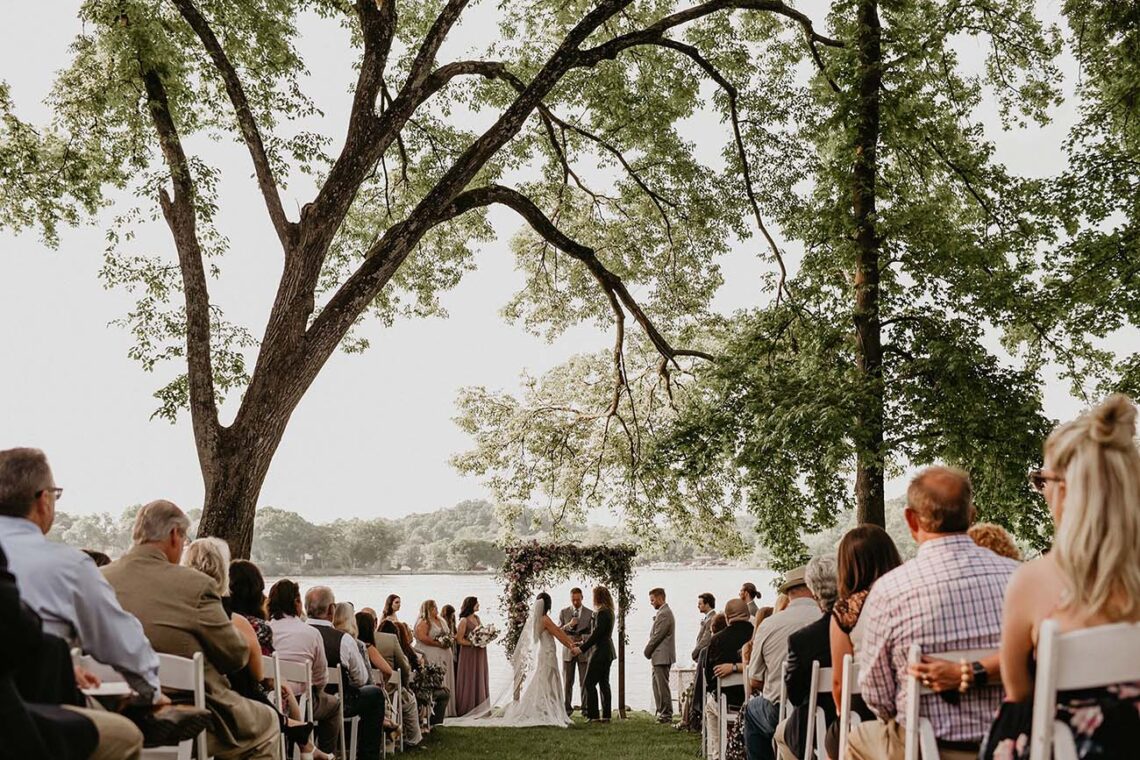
<point x="536" y="689"/>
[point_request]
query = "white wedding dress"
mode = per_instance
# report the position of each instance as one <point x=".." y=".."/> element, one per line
<point x="534" y="697"/>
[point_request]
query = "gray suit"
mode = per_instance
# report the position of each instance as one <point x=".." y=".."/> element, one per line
<point x="569" y="662"/>
<point x="704" y="636"/>
<point x="662" y="652"/>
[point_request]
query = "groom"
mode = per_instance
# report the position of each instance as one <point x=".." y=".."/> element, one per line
<point x="575" y="620"/>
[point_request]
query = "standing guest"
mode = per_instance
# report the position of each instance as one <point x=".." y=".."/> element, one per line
<point x="809" y="644"/>
<point x="661" y="651"/>
<point x="575" y="621"/>
<point x="1091" y="482"/>
<point x="947" y="598"/>
<point x="62" y="584"/>
<point x="600" y="644"/>
<point x="358" y="696"/>
<point x="410" y="718"/>
<point x="428" y="630"/>
<point x="447" y="614"/>
<point x="182" y="614"/>
<point x="769" y="648"/>
<point x="296" y="641"/>
<point x="996" y="539"/>
<point x="706" y="605"/>
<point x="472" y="689"/>
<point x="866" y="553"/>
<point x="749" y="595"/>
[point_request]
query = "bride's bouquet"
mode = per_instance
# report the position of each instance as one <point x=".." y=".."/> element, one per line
<point x="484" y="635"/>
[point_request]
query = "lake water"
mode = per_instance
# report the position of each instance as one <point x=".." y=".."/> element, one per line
<point x="682" y="585"/>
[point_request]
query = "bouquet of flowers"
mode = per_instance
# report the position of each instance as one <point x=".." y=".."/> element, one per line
<point x="426" y="681"/>
<point x="483" y="635"/>
<point x="446" y="639"/>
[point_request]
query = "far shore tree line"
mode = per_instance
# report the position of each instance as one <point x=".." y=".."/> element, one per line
<point x="465" y="538"/>
<point x="918" y="294"/>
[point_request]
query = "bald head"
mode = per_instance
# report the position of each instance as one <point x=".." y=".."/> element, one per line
<point x="736" y="609"/>
<point x="942" y="499"/>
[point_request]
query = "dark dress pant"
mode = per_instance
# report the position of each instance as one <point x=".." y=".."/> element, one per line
<point x="598" y="680"/>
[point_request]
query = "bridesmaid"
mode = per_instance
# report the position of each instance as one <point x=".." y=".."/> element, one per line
<point x="429" y="627"/>
<point x="447" y="612"/>
<point x="471" y="687"/>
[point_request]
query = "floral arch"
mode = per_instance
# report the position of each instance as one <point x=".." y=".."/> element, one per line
<point x="529" y="567"/>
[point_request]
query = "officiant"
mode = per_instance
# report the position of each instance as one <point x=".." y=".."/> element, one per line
<point x="576" y="620"/>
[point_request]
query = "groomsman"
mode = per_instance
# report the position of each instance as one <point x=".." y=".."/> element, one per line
<point x="576" y="620"/>
<point x="749" y="595"/>
<point x="706" y="605"/>
<point x="661" y="651"/>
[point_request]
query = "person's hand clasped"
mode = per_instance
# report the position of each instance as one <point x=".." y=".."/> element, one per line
<point x="575" y="651"/>
<point x="937" y="675"/>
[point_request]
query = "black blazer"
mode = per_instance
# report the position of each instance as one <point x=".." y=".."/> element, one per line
<point x="808" y="644"/>
<point x="724" y="648"/>
<point x="602" y="635"/>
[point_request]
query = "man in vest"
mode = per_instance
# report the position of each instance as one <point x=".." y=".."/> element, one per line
<point x="361" y="698"/>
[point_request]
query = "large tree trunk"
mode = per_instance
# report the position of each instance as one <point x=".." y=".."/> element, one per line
<point x="868" y="328"/>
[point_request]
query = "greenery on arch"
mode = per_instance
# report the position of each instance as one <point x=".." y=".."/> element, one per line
<point x="530" y="566"/>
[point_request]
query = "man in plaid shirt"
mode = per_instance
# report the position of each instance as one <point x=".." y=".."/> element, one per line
<point x="949" y="597"/>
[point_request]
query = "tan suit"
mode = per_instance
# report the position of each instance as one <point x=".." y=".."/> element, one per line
<point x="182" y="614"/>
<point x="388" y="645"/>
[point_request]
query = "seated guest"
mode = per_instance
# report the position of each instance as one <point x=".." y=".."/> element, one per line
<point x="360" y="698"/>
<point x="1091" y="482"/>
<point x="62" y="584"/>
<point x="182" y="615"/>
<point x="722" y="658"/>
<point x="866" y="553"/>
<point x="410" y="719"/>
<point x="294" y="640"/>
<point x="47" y="730"/>
<point x="211" y="556"/>
<point x="947" y="598"/>
<point x="765" y="663"/>
<point x="442" y="695"/>
<point x="809" y="644"/>
<point x="995" y="538"/>
<point x="706" y="605"/>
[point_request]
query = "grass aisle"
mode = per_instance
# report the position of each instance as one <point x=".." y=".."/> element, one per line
<point x="639" y="738"/>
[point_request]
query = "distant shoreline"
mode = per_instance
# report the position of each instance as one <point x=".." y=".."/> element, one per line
<point x="340" y="573"/>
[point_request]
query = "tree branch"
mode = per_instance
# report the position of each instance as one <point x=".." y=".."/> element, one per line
<point x="286" y="230"/>
<point x="181" y="217"/>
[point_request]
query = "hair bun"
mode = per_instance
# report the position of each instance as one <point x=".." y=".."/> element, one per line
<point x="1114" y="422"/>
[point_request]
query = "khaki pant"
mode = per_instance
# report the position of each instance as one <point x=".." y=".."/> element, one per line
<point x="782" y="746"/>
<point x="265" y="745"/>
<point x="885" y="740"/>
<point x="119" y="739"/>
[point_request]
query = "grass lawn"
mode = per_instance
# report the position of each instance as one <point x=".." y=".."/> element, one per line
<point x="638" y="738"/>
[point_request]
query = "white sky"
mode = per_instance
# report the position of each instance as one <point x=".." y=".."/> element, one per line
<point x="374" y="434"/>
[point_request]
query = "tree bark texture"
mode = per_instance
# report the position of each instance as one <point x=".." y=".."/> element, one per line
<point x="868" y="328"/>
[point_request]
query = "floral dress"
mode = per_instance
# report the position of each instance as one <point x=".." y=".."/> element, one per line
<point x="1105" y="723"/>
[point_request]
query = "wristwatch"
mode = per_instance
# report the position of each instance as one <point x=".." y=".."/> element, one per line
<point x="979" y="674"/>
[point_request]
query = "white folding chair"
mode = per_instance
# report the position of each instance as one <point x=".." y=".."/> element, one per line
<point x="298" y="673"/>
<point x="724" y="716"/>
<point x="183" y="674"/>
<point x="848" y="719"/>
<point x="1084" y="659"/>
<point x="816" y="719"/>
<point x="271" y="670"/>
<point x="920" y="739"/>
<point x="397" y="681"/>
<point x="784" y="708"/>
<point x="337" y="679"/>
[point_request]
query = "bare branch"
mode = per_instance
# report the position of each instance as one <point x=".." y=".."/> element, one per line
<point x="286" y="230"/>
<point x="181" y="217"/>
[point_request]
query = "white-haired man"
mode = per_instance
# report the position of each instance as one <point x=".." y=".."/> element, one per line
<point x="182" y="615"/>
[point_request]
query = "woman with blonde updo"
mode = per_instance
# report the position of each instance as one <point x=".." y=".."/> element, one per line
<point x="1091" y="482"/>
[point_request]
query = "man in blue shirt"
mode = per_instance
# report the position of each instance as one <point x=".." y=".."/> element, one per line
<point x="61" y="583"/>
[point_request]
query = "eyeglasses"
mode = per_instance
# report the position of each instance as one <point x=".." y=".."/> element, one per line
<point x="58" y="492"/>
<point x="1038" y="479"/>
